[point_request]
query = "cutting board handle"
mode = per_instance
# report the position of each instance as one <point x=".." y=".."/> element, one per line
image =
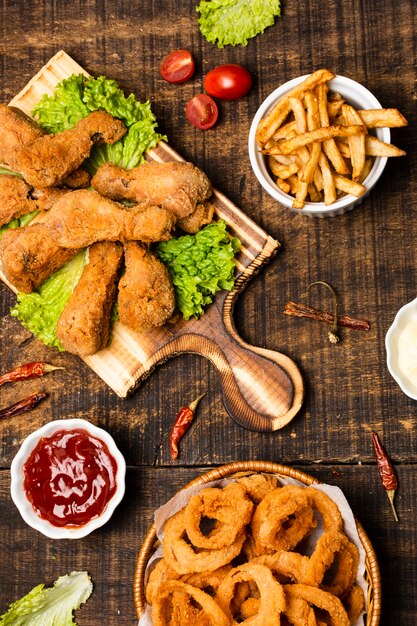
<point x="262" y="389"/>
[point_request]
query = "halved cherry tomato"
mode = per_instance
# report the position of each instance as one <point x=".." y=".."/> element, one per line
<point x="202" y="111"/>
<point x="228" y="82"/>
<point x="178" y="66"/>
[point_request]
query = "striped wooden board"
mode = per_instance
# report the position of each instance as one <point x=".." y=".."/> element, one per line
<point x="262" y="389"/>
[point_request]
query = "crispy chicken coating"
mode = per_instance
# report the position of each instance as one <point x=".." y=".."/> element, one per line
<point x="17" y="198"/>
<point x="17" y="130"/>
<point x="46" y="161"/>
<point x="78" y="179"/>
<point x="83" y="217"/>
<point x="84" y="325"/>
<point x="177" y="187"/>
<point x="202" y="214"/>
<point x="29" y="256"/>
<point x="146" y="296"/>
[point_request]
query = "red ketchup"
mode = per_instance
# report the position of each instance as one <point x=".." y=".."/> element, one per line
<point x="70" y="477"/>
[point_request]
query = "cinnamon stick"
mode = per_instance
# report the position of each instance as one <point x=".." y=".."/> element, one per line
<point x="304" y="310"/>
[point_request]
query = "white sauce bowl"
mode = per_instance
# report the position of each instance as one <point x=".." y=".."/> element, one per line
<point x="408" y="313"/>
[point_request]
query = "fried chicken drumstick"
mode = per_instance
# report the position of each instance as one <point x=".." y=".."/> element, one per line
<point x="17" y="130"/>
<point x="83" y="217"/>
<point x="47" y="160"/>
<point x="146" y="296"/>
<point x="84" y="325"/>
<point x="29" y="256"/>
<point x="17" y="198"/>
<point x="177" y="187"/>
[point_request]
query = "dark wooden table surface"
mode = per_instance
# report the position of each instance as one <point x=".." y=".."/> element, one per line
<point x="368" y="255"/>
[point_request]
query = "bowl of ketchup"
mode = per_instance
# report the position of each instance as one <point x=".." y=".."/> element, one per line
<point x="67" y="478"/>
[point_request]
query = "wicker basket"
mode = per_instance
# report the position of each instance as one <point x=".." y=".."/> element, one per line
<point x="238" y="468"/>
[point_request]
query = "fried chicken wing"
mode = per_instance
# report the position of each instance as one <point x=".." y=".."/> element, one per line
<point x="83" y="217"/>
<point x="84" y="325"/>
<point x="29" y="255"/>
<point x="46" y="161"/>
<point x="177" y="187"/>
<point x="17" y="130"/>
<point x="146" y="296"/>
<point x="17" y="198"/>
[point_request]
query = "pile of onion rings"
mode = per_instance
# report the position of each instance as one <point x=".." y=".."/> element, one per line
<point x="237" y="555"/>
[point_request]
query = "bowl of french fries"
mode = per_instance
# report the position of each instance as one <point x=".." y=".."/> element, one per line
<point x="319" y="143"/>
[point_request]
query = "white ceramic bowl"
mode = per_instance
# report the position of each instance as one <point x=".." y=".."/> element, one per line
<point x="18" y="494"/>
<point x="356" y="95"/>
<point x="408" y="313"/>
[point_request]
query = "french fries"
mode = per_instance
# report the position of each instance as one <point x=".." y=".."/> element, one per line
<point x="318" y="146"/>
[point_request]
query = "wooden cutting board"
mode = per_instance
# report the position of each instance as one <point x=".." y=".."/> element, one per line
<point x="262" y="389"/>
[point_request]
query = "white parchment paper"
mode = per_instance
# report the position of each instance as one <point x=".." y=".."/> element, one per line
<point x="180" y="500"/>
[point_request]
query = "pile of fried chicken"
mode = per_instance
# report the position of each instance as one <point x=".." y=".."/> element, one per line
<point x="77" y="213"/>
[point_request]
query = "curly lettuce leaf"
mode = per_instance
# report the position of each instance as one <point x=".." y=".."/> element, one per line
<point x="127" y="152"/>
<point x="65" y="107"/>
<point x="52" y="606"/>
<point x="40" y="310"/>
<point x="200" y="265"/>
<point x="77" y="96"/>
<point x="234" y="22"/>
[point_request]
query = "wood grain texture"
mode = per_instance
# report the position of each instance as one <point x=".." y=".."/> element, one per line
<point x="368" y="255"/>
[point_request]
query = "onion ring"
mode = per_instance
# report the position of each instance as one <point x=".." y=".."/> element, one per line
<point x="354" y="603"/>
<point x="181" y="556"/>
<point x="299" y="612"/>
<point x="329" y="511"/>
<point x="333" y="547"/>
<point x="230" y="507"/>
<point x="288" y="564"/>
<point x="281" y="520"/>
<point x="271" y="600"/>
<point x="183" y="605"/>
<point x="259" y="485"/>
<point x="159" y="575"/>
<point x="207" y="580"/>
<point x="249" y="608"/>
<point x="322" y="600"/>
<point x="346" y="569"/>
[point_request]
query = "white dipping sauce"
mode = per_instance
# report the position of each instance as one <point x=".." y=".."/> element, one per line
<point x="407" y="351"/>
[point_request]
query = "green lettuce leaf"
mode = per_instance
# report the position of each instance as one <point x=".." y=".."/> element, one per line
<point x="65" y="107"/>
<point x="233" y="22"/>
<point x="53" y="606"/>
<point x="5" y="170"/>
<point x="76" y="96"/>
<point x="40" y="310"/>
<point x="127" y="152"/>
<point x="200" y="265"/>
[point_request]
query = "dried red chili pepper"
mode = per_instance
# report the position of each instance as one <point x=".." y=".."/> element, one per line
<point x="23" y="405"/>
<point x="30" y="370"/>
<point x="386" y="471"/>
<point x="182" y="424"/>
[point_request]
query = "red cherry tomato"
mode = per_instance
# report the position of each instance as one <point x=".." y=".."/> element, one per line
<point x="228" y="82"/>
<point x="202" y="111"/>
<point x="178" y="66"/>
